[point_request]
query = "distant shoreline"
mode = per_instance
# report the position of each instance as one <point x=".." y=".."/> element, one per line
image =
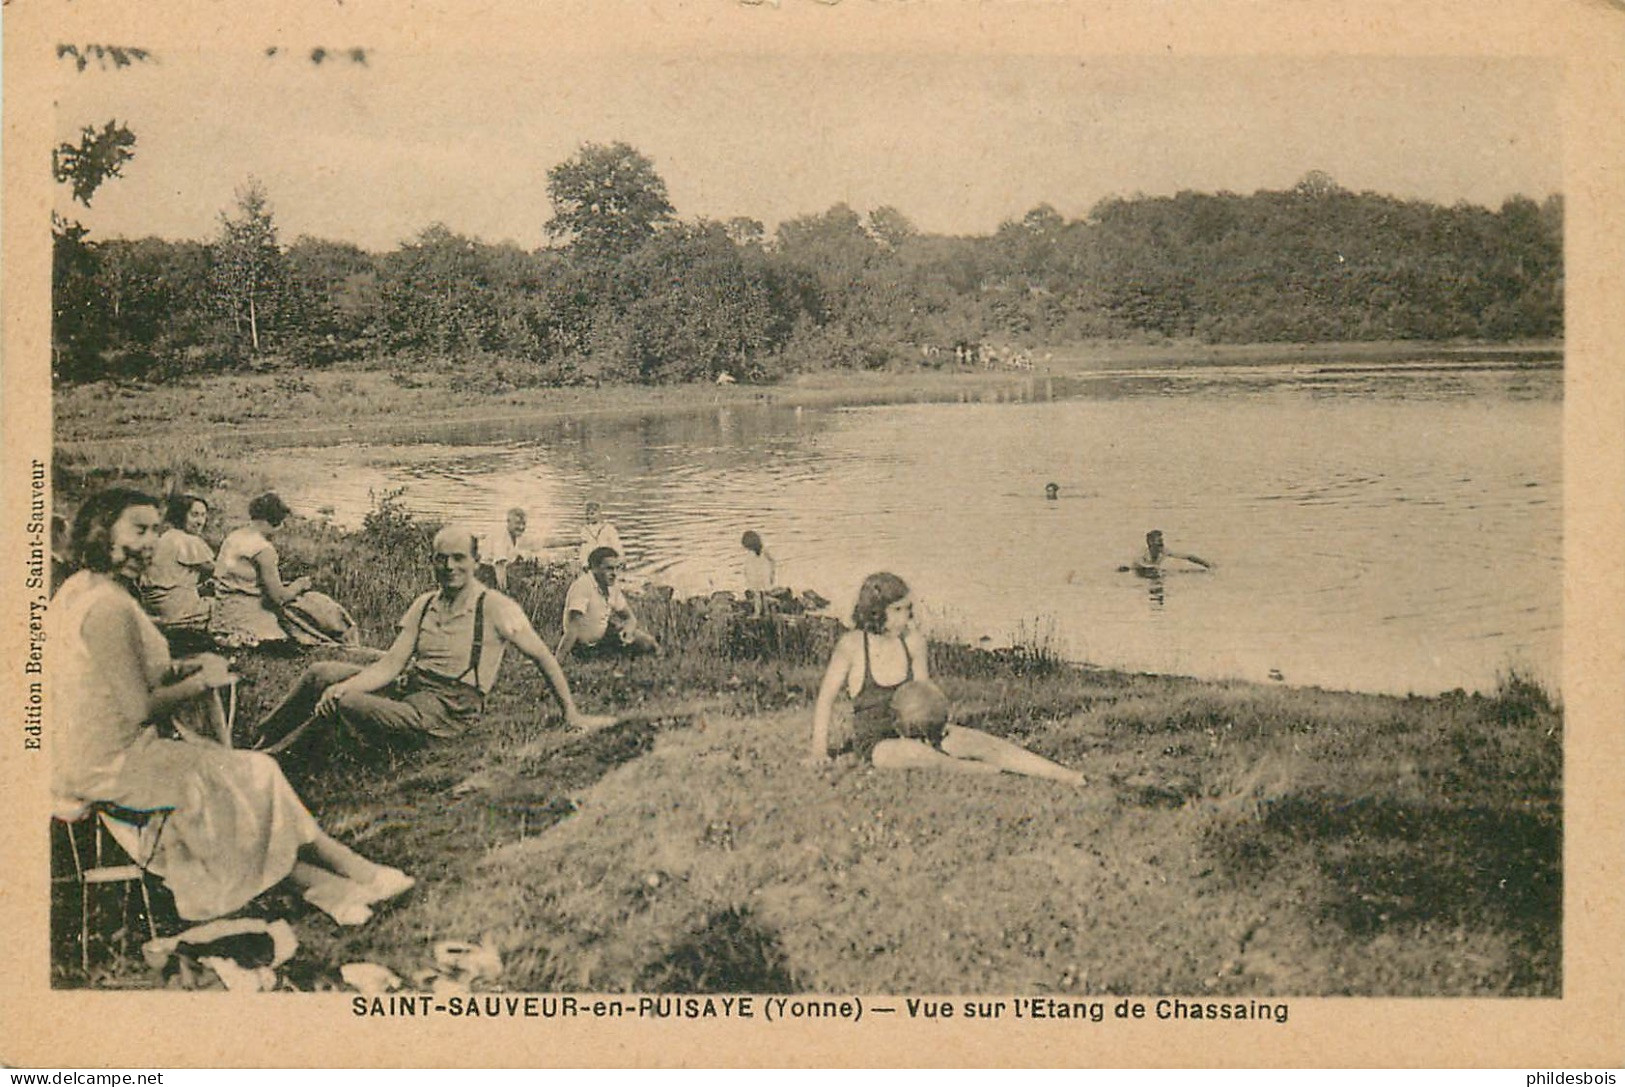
<point x="351" y="402"/>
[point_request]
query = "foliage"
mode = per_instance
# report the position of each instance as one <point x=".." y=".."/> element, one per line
<point x="607" y="200"/>
<point x="390" y="527"/>
<point x="333" y="296"/>
<point x="637" y="296"/>
<point x="249" y="268"/>
<point x="119" y="56"/>
<point x="101" y="154"/>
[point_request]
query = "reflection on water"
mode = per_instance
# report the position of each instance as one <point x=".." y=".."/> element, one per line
<point x="1154" y="589"/>
<point x="1371" y="529"/>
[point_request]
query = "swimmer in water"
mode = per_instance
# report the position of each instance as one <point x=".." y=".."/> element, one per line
<point x="1150" y="563"/>
<point x="1052" y="491"/>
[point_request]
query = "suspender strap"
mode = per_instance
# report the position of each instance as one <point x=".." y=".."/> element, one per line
<point x="477" y="643"/>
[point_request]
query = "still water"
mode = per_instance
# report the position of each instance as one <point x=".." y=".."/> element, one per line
<point x="1373" y="528"/>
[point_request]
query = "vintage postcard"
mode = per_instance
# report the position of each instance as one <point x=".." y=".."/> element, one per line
<point x="812" y="533"/>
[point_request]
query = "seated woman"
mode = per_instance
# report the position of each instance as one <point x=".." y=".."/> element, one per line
<point x="885" y="652"/>
<point x="248" y="588"/>
<point x="238" y="828"/>
<point x="180" y="560"/>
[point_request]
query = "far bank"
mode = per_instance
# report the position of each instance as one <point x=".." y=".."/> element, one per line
<point x="294" y="405"/>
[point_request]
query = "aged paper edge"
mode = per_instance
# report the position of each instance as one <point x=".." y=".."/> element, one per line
<point x="39" y="1026"/>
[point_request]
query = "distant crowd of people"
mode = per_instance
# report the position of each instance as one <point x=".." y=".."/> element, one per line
<point x="146" y="607"/>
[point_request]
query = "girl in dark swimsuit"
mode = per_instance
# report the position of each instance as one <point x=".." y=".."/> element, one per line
<point x="883" y="653"/>
<point x="872" y="720"/>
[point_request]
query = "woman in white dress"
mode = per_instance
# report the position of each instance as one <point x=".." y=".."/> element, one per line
<point x="237" y="828"/>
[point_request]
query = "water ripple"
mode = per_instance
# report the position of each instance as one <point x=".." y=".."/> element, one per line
<point x="1370" y="531"/>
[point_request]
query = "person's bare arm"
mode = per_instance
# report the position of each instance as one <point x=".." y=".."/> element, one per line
<point x="512" y="625"/>
<point x="377" y="675"/>
<point x="113" y="637"/>
<point x="575" y="623"/>
<point x="271" y="579"/>
<point x="918" y="653"/>
<point x="835" y="676"/>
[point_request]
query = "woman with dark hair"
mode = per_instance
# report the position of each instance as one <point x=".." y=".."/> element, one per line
<point x="169" y="588"/>
<point x="237" y="828"/>
<point x="248" y="587"/>
<point x="885" y="653"/>
<point x="760" y="570"/>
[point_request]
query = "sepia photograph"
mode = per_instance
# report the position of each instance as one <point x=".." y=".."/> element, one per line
<point x="665" y="520"/>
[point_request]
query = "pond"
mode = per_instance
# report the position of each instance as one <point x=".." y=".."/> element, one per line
<point x="1372" y="527"/>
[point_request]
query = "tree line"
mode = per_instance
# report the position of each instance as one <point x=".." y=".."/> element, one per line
<point x="630" y="292"/>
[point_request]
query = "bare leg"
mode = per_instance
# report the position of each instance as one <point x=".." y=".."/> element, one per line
<point x="914" y="755"/>
<point x="297" y="705"/>
<point x="968" y="743"/>
<point x="337" y="857"/>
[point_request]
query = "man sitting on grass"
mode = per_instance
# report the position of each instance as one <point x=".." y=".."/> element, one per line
<point x="597" y="618"/>
<point x="511" y="543"/>
<point x="432" y="682"/>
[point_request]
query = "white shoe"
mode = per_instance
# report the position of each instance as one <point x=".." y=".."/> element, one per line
<point x="387" y="884"/>
<point x="351" y="914"/>
<point x="340" y="900"/>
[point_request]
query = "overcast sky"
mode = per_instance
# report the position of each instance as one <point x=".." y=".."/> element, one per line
<point x="373" y="154"/>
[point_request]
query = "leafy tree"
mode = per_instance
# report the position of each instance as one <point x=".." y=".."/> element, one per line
<point x="100" y="154"/>
<point x="437" y="293"/>
<point x="77" y="332"/>
<point x="332" y="294"/>
<point x="119" y="56"/>
<point x="250" y="271"/>
<point x="1317" y="185"/>
<point x="744" y="231"/>
<point x="607" y="200"/>
<point x="836" y="253"/>
<point x="702" y="307"/>
<point x="891" y="228"/>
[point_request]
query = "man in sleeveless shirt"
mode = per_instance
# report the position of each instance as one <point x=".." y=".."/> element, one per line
<point x="432" y="681"/>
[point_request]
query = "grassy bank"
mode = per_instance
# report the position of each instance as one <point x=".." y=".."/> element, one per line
<point x="1234" y="839"/>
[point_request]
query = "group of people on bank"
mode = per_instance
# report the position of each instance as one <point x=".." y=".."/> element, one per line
<point x="231" y="598"/>
<point x="131" y="596"/>
<point x="237" y="826"/>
